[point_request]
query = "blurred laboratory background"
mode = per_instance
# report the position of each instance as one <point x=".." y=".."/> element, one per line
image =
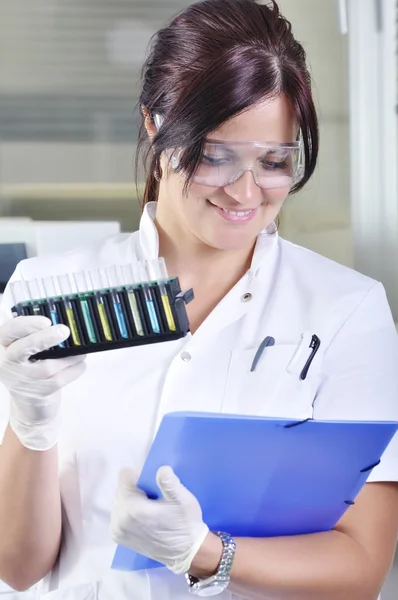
<point x="69" y="84"/>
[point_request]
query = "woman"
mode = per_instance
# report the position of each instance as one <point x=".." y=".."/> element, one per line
<point x="227" y="106"/>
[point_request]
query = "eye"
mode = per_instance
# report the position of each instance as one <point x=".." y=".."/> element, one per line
<point x="275" y="162"/>
<point x="273" y="165"/>
<point x="214" y="161"/>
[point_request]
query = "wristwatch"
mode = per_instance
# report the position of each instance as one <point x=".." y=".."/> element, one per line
<point x="219" y="582"/>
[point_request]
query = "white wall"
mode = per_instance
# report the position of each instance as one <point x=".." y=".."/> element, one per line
<point x="320" y="216"/>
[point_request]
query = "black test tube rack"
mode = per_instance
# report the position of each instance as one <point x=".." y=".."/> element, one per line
<point x="112" y="337"/>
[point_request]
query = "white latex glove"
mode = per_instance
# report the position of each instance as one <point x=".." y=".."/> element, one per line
<point x="34" y="386"/>
<point x="169" y="530"/>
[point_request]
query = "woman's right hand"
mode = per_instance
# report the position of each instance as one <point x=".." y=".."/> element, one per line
<point x="35" y="386"/>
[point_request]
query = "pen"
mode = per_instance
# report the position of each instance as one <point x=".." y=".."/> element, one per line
<point x="267" y="342"/>
<point x="314" y="345"/>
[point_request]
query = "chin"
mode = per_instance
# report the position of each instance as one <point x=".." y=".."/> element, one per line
<point x="231" y="242"/>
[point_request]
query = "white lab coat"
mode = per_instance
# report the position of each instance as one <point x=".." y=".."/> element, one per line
<point x="110" y="415"/>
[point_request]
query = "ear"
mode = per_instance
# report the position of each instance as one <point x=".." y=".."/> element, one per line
<point x="148" y="122"/>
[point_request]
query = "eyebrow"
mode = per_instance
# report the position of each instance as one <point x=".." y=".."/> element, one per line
<point x="269" y="145"/>
<point x="271" y="148"/>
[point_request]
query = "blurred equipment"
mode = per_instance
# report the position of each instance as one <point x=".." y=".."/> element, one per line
<point x="10" y="256"/>
<point x="54" y="237"/>
<point x="42" y="238"/>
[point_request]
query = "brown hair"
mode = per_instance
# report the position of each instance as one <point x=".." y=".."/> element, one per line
<point x="214" y="60"/>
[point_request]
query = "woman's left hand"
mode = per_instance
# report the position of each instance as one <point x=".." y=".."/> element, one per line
<point x="170" y="530"/>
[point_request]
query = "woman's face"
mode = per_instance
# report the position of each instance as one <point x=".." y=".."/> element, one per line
<point x="204" y="213"/>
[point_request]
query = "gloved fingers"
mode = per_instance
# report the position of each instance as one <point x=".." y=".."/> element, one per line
<point x="170" y="485"/>
<point x="35" y="375"/>
<point x="33" y="387"/>
<point x="22" y="349"/>
<point x="20" y="327"/>
<point x="127" y="485"/>
<point x="67" y="376"/>
<point x="46" y="369"/>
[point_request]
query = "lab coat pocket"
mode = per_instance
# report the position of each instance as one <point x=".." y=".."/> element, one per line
<point x="270" y="389"/>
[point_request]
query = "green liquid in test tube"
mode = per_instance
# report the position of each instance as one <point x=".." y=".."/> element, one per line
<point x="129" y="280"/>
<point x="65" y="287"/>
<point x="157" y="271"/>
<point x="81" y="286"/>
<point x="36" y="296"/>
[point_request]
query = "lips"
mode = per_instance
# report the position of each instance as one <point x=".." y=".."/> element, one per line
<point x="238" y="213"/>
<point x="235" y="216"/>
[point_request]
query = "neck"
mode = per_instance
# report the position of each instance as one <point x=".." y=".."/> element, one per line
<point x="195" y="262"/>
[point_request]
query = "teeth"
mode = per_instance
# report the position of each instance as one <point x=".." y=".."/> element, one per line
<point x="237" y="213"/>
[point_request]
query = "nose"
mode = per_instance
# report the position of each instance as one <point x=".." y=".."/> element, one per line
<point x="245" y="190"/>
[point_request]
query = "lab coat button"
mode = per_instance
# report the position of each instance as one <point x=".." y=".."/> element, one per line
<point x="186" y="357"/>
<point x="246" y="297"/>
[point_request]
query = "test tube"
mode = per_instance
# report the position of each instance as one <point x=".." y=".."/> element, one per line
<point x="66" y="290"/>
<point x="94" y="280"/>
<point x="129" y="281"/>
<point x="157" y="271"/>
<point x="82" y="288"/>
<point x="149" y="299"/>
<point x="35" y="296"/>
<point x="112" y="279"/>
<point x="49" y="288"/>
<point x="19" y="295"/>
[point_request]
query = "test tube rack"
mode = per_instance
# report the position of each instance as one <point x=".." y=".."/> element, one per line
<point x="120" y="316"/>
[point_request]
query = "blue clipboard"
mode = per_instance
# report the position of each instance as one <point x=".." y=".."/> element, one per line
<point x="262" y="477"/>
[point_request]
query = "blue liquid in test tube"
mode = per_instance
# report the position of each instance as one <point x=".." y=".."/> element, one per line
<point x="149" y="301"/>
<point x="114" y="282"/>
<point x="49" y="288"/>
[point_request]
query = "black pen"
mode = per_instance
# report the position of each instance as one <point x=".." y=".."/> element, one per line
<point x="314" y="345"/>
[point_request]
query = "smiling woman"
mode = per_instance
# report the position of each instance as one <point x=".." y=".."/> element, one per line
<point x="231" y="130"/>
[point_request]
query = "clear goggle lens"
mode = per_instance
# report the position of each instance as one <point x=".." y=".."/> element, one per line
<point x="272" y="165"/>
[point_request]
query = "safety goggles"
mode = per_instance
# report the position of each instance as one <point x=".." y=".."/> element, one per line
<point x="273" y="165"/>
<point x="224" y="162"/>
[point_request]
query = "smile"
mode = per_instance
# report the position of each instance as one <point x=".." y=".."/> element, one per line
<point x="235" y="216"/>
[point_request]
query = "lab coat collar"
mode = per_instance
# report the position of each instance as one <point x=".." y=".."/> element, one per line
<point x="149" y="237"/>
<point x="267" y="239"/>
<point x="266" y="244"/>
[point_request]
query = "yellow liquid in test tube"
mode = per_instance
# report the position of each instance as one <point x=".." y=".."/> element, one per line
<point x="73" y="327"/>
<point x="104" y="322"/>
<point x="167" y="310"/>
<point x="135" y="313"/>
